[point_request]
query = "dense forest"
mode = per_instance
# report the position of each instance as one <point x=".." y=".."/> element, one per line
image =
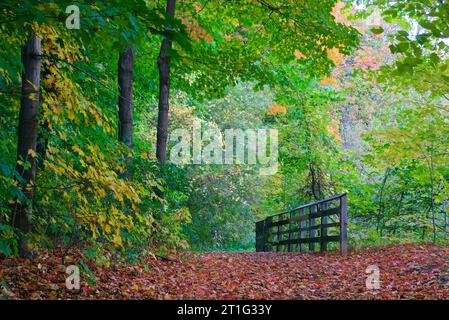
<point x="101" y="103"/>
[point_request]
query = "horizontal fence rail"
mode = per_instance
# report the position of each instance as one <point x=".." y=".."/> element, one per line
<point x="299" y="229"/>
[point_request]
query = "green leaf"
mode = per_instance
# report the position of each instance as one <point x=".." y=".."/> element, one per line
<point x="377" y="30"/>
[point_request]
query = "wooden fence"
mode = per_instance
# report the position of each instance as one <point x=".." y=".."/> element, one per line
<point x="321" y="222"/>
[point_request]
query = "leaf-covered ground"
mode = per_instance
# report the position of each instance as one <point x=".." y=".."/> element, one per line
<point x="406" y="272"/>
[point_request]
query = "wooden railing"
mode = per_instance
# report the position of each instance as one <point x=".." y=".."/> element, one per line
<point x="322" y="222"/>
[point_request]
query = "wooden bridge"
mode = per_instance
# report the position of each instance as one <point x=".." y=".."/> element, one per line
<point x="320" y="222"/>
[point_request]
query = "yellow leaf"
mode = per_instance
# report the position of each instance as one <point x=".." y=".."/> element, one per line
<point x="62" y="135"/>
<point x="117" y="240"/>
<point x="32" y="153"/>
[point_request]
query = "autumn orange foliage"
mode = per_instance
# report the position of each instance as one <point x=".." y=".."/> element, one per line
<point x="276" y="109"/>
<point x="195" y="31"/>
<point x="334" y="131"/>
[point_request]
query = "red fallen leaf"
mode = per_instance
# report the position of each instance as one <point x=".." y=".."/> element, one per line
<point x="86" y="289"/>
<point x="201" y="291"/>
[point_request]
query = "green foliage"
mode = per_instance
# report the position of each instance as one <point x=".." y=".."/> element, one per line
<point x="8" y="241"/>
<point x="420" y="43"/>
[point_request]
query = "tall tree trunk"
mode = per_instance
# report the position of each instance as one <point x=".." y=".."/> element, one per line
<point x="381" y="211"/>
<point x="432" y="198"/>
<point x="163" y="63"/>
<point x="125" y="102"/>
<point x="27" y="137"/>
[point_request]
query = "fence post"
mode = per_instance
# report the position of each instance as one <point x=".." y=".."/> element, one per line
<point x="290" y="224"/>
<point x="323" y="243"/>
<point x="266" y="233"/>
<point x="344" y="224"/>
<point x="312" y="232"/>
<point x="302" y="232"/>
<point x="280" y="235"/>
<point x="260" y="236"/>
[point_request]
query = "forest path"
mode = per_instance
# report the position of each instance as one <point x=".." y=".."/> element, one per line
<point x="406" y="272"/>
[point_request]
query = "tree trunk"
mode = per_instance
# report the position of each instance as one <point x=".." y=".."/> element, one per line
<point x="163" y="63"/>
<point x="125" y="102"/>
<point x="432" y="199"/>
<point x="27" y="137"/>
